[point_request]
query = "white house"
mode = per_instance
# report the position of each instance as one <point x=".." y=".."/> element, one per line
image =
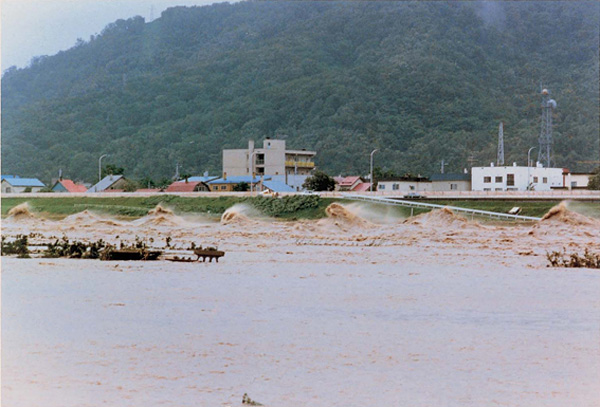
<point x="405" y="184"/>
<point x="451" y="182"/>
<point x="516" y="178"/>
<point x="577" y="180"/>
<point x="14" y="184"/>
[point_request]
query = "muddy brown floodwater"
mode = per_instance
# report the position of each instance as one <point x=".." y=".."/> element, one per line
<point x="432" y="311"/>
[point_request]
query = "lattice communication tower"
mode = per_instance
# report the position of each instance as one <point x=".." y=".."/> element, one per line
<point x="545" y="149"/>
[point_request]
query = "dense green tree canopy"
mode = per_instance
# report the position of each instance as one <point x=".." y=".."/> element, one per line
<point x="421" y="81"/>
<point x="319" y="181"/>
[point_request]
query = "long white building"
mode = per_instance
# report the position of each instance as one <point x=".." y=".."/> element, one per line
<point x="516" y="178"/>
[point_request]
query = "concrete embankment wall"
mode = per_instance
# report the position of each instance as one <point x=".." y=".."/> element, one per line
<point x="513" y="195"/>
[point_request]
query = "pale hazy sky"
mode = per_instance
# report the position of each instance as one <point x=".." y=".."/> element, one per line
<point x="44" y="27"/>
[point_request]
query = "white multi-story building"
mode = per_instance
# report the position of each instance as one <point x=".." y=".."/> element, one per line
<point x="516" y="178"/>
<point x="289" y="166"/>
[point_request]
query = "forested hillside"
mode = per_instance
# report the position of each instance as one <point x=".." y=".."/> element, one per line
<point x="420" y="81"/>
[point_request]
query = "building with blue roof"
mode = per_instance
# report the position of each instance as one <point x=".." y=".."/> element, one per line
<point x="108" y="183"/>
<point x="204" y="179"/>
<point x="227" y="184"/>
<point x="277" y="187"/>
<point x="11" y="184"/>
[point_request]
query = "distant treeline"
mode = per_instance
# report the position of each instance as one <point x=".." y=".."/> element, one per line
<point x="421" y="81"/>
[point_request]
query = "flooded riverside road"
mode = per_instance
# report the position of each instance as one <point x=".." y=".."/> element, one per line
<point x="323" y="313"/>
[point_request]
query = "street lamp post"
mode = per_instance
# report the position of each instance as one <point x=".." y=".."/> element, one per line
<point x="100" y="166"/>
<point x="372" y="152"/>
<point x="252" y="170"/>
<point x="528" y="165"/>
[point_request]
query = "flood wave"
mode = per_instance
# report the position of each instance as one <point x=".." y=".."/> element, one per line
<point x="441" y="218"/>
<point x="21" y="212"/>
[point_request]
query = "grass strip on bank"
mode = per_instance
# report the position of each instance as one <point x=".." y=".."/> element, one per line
<point x="288" y="208"/>
<point x="528" y="208"/>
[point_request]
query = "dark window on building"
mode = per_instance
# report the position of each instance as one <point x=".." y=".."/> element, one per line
<point x="545" y="180"/>
<point x="535" y="179"/>
<point x="487" y="180"/>
<point x="498" y="179"/>
<point x="510" y="180"/>
<point x="453" y="186"/>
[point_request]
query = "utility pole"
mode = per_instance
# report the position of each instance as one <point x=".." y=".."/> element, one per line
<point x="500" y="159"/>
<point x="176" y="177"/>
<point x="529" y="165"/>
<point x="100" y="166"/>
<point x="372" y="180"/>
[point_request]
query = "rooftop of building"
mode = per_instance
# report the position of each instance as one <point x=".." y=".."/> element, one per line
<point x="348" y="181"/>
<point x="22" y="182"/>
<point x="71" y="186"/>
<point x="362" y="187"/>
<point x="183" y="186"/>
<point x="104" y="183"/>
<point x="277" y="186"/>
<point x="239" y="179"/>
<point x="459" y="176"/>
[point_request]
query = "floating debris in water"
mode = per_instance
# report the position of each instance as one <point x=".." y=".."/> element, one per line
<point x="17" y="246"/>
<point x="562" y="259"/>
<point x="249" y="401"/>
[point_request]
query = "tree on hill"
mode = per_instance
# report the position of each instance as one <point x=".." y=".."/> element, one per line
<point x="319" y="181"/>
<point x="111" y="169"/>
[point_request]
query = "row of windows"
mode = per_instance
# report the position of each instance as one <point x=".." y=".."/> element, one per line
<point x="395" y="187"/>
<point x="510" y="180"/>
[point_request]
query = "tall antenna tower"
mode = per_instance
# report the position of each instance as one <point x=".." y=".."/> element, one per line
<point x="545" y="149"/>
<point x="500" y="159"/>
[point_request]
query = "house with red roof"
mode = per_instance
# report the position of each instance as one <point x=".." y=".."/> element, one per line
<point x="188" y="186"/>
<point x="66" y="185"/>
<point x="362" y="187"/>
<point x="347" y="183"/>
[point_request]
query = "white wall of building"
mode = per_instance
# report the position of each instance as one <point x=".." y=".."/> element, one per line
<point x="577" y="180"/>
<point x="457" y="185"/>
<point x="404" y="186"/>
<point x="499" y="178"/>
<point x="235" y="162"/>
<point x="9" y="189"/>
